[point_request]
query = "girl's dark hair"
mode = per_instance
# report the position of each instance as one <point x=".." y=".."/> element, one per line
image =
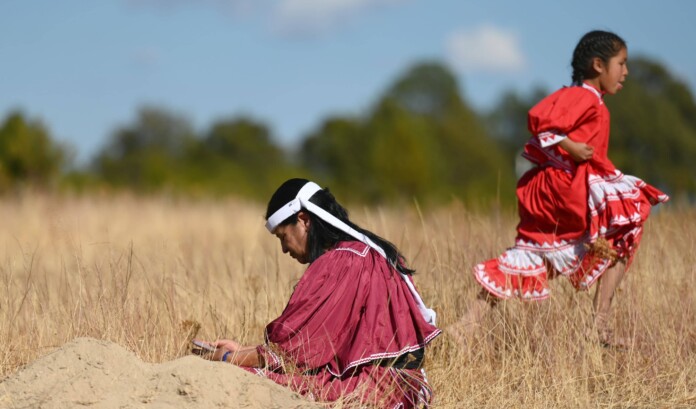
<point x="595" y="44"/>
<point x="323" y="235"/>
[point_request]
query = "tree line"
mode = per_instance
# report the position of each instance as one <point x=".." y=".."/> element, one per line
<point x="420" y="139"/>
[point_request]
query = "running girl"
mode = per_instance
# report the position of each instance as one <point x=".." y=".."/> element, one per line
<point x="580" y="217"/>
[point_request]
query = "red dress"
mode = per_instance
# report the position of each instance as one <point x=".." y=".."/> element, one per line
<point x="350" y="312"/>
<point x="566" y="206"/>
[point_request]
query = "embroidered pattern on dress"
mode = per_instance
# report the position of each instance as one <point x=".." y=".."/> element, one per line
<point x="555" y="159"/>
<point x="549" y="138"/>
<point x="383" y="355"/>
<point x="360" y="253"/>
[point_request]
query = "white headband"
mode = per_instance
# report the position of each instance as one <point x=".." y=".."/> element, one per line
<point x="302" y="201"/>
<point x="293" y="206"/>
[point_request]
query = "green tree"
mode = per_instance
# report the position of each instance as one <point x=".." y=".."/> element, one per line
<point x="245" y="141"/>
<point x="336" y="154"/>
<point x="507" y="122"/>
<point x="463" y="160"/>
<point x="420" y="140"/>
<point x="239" y="156"/>
<point x="28" y="155"/>
<point x="148" y="154"/>
<point x="403" y="157"/>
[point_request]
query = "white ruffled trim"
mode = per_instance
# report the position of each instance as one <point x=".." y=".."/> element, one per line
<point x="565" y="257"/>
<point x="611" y="188"/>
<point x="615" y="188"/>
<point x="530" y="259"/>
<point x="482" y="277"/>
<point x="521" y="262"/>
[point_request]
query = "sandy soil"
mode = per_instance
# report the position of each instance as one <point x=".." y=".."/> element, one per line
<point x="98" y="374"/>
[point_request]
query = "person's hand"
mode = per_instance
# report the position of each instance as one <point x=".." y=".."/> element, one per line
<point x="579" y="151"/>
<point x="221" y="347"/>
<point x="226" y="345"/>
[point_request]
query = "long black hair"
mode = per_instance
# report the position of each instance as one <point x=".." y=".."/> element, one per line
<point x="323" y="235"/>
<point x="595" y="44"/>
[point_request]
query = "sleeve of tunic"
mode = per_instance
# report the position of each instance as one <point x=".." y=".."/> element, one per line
<point x="561" y="114"/>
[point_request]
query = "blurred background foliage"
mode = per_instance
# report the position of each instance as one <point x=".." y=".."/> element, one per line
<point x="419" y="140"/>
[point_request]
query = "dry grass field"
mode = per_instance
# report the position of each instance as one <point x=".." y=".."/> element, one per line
<point x="144" y="272"/>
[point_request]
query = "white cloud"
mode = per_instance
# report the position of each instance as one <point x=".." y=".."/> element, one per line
<point x="312" y="16"/>
<point x="485" y="48"/>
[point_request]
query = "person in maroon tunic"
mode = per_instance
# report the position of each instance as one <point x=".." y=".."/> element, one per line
<point x="580" y="217"/>
<point x="355" y="328"/>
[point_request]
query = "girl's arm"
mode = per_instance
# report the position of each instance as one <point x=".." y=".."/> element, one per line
<point x="579" y="151"/>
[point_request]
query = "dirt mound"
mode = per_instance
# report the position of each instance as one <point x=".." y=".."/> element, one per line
<point x="98" y="374"/>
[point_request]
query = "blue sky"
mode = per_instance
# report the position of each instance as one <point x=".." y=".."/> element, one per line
<point x="84" y="67"/>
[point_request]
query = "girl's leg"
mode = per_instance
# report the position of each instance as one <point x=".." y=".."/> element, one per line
<point x="604" y="294"/>
<point x="467" y="326"/>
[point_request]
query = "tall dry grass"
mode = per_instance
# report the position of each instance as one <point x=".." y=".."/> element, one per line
<point x="144" y="272"/>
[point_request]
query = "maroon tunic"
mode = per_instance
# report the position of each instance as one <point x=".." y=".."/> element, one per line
<point x="350" y="310"/>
